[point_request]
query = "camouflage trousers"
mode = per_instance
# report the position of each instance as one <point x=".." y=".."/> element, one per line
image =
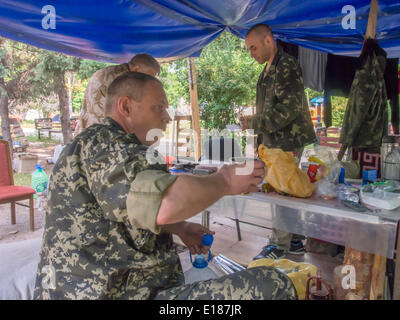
<point x="259" y="283"/>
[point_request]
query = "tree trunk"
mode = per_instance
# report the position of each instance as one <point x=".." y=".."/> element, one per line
<point x="70" y="79"/>
<point x="64" y="109"/>
<point x="5" y="121"/>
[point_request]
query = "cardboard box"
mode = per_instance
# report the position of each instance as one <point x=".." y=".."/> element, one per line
<point x="25" y="163"/>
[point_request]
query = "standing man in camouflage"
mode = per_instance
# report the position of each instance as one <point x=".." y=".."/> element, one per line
<point x="95" y="95"/>
<point x="282" y="118"/>
<point x="111" y="213"/>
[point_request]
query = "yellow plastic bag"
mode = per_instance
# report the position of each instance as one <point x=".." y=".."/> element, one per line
<point x="283" y="173"/>
<point x="296" y="271"/>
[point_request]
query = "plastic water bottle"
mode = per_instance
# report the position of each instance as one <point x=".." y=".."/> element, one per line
<point x="200" y="270"/>
<point x="39" y="182"/>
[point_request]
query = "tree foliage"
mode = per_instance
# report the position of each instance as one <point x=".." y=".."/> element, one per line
<point x="51" y="67"/>
<point x="226" y="81"/>
<point x="174" y="77"/>
<point x="88" y="67"/>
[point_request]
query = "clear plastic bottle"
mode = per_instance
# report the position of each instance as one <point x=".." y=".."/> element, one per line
<point x="39" y="183"/>
<point x="200" y="270"/>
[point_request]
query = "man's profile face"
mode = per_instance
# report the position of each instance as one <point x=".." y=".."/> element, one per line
<point x="259" y="47"/>
<point x="151" y="111"/>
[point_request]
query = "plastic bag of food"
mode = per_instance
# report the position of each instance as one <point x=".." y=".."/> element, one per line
<point x="326" y="158"/>
<point x="283" y="173"/>
<point x="297" y="272"/>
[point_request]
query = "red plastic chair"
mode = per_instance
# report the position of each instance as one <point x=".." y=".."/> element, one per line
<point x="10" y="193"/>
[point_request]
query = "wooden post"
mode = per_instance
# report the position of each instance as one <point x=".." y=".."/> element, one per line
<point x="194" y="102"/>
<point x="372" y="20"/>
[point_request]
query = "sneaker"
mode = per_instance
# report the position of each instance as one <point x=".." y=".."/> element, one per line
<point x="271" y="252"/>
<point x="296" y="247"/>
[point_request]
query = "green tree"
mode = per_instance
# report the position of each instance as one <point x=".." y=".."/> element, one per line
<point x="339" y="105"/>
<point x="50" y="77"/>
<point x="227" y="79"/>
<point x="88" y="67"/>
<point x="17" y="62"/>
<point x="174" y="77"/>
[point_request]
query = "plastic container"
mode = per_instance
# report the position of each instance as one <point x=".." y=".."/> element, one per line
<point x="200" y="270"/>
<point x="39" y="180"/>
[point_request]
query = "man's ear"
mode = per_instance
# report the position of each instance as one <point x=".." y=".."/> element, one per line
<point x="123" y="106"/>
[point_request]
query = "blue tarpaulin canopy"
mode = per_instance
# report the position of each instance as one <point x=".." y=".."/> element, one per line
<point x="115" y="30"/>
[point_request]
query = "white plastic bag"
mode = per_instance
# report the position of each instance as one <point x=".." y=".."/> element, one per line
<point x="384" y="195"/>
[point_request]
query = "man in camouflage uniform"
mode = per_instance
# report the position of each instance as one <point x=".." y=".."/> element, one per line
<point x="282" y="118"/>
<point x="95" y="95"/>
<point x="111" y="212"/>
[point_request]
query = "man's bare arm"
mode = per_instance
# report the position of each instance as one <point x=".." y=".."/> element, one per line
<point x="189" y="195"/>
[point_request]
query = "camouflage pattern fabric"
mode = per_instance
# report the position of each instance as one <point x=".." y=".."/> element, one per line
<point x="282" y="117"/>
<point x="92" y="246"/>
<point x="259" y="283"/>
<point x="366" y="118"/>
<point x="95" y="95"/>
<point x="91" y="249"/>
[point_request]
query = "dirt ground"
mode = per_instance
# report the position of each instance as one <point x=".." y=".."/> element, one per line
<point x="21" y="230"/>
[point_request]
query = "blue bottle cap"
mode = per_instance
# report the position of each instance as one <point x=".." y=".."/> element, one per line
<point x="207" y="240"/>
<point x="38" y="166"/>
<point x="200" y="262"/>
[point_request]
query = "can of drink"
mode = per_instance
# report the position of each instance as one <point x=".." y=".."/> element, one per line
<point x="312" y="171"/>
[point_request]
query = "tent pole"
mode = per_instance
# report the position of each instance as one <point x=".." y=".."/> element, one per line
<point x="372" y="20"/>
<point x="194" y="102"/>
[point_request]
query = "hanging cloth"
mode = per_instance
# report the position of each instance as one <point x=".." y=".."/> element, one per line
<point x="313" y="66"/>
<point x="366" y="119"/>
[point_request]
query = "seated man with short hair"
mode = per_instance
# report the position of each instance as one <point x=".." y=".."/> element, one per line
<point x="111" y="213"/>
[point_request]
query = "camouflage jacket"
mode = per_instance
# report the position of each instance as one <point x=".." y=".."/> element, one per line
<point x="95" y="95"/>
<point x="100" y="239"/>
<point x="282" y="118"/>
<point x="366" y="118"/>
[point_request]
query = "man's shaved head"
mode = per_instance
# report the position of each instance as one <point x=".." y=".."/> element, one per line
<point x="261" y="30"/>
<point x="138" y="103"/>
<point x="129" y="84"/>
<point x="261" y="44"/>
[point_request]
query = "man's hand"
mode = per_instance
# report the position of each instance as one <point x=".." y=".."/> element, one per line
<point x="238" y="180"/>
<point x="192" y="235"/>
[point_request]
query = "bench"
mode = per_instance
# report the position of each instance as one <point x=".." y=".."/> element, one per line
<point x="50" y="126"/>
<point x="20" y="143"/>
<point x="43" y="124"/>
